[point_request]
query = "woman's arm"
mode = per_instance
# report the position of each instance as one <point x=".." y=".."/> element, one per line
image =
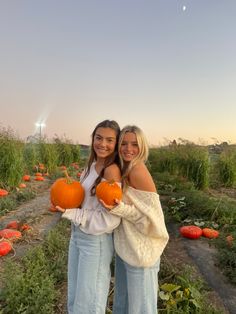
<point x="92" y="221"/>
<point x="145" y="213"/>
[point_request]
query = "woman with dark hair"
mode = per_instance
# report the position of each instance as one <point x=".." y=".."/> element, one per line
<point x="91" y="244"/>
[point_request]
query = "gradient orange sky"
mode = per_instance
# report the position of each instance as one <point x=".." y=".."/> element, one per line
<point x="71" y="64"/>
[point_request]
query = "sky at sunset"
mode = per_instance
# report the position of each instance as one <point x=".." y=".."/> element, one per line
<point x="168" y="66"/>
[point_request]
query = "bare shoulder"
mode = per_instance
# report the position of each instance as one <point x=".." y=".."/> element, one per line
<point x="112" y="173"/>
<point x="141" y="179"/>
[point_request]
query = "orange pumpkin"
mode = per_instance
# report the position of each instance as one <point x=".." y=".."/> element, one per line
<point x="191" y="232"/>
<point x="67" y="193"/>
<point x="229" y="240"/>
<point x="108" y="191"/>
<point x="25" y="227"/>
<point x="10" y="234"/>
<point x="26" y="177"/>
<point x="22" y="185"/>
<point x="5" y="247"/>
<point x="41" y="166"/>
<point x="3" y="192"/>
<point x="38" y="174"/>
<point x="39" y="178"/>
<point x="210" y="233"/>
<point x="14" y="224"/>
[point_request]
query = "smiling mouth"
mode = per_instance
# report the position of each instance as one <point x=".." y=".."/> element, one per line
<point x="101" y="150"/>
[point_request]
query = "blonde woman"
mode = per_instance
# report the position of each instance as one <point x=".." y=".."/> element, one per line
<point x="142" y="236"/>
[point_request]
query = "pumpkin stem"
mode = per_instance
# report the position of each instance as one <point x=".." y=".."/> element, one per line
<point x="68" y="178"/>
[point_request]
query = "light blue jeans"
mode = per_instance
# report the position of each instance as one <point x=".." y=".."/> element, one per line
<point x="89" y="274"/>
<point x="135" y="288"/>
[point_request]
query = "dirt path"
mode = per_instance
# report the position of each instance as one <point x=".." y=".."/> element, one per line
<point x="35" y="213"/>
<point x="201" y="255"/>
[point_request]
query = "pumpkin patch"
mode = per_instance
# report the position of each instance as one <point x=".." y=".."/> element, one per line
<point x="108" y="192"/>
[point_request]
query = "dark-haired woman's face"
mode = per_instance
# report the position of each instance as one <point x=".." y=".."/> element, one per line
<point x="104" y="142"/>
<point x="129" y="147"/>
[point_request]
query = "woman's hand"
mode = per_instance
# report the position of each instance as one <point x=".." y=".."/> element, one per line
<point x="110" y="207"/>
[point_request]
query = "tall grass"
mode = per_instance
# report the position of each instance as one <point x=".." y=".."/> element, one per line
<point x="227" y="168"/>
<point x="30" y="157"/>
<point x="47" y="155"/>
<point x="75" y="149"/>
<point x="189" y="161"/>
<point x="64" y="151"/>
<point x="11" y="158"/>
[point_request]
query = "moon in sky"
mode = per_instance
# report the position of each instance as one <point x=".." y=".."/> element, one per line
<point x="184" y="8"/>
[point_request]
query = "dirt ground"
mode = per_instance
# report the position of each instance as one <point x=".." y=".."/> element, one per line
<point x="201" y="255"/>
<point x="179" y="251"/>
<point x="35" y="213"/>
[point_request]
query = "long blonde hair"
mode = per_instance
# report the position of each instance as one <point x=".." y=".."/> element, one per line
<point x="143" y="150"/>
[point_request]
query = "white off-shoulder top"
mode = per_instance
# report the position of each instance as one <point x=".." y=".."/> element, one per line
<point x="142" y="235"/>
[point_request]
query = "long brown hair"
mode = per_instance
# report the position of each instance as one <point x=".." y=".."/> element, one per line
<point x="111" y="159"/>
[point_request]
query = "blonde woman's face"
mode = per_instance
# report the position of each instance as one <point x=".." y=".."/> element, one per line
<point x="129" y="147"/>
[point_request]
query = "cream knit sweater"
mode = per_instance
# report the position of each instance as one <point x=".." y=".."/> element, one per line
<point x="142" y="236"/>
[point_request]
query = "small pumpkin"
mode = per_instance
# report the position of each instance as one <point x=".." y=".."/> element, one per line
<point x="191" y="232"/>
<point x="39" y="178"/>
<point x="108" y="191"/>
<point x="41" y="166"/>
<point x="14" y="224"/>
<point x="3" y="192"/>
<point x="26" y="177"/>
<point x="10" y="234"/>
<point x="38" y="174"/>
<point x="22" y="185"/>
<point x="5" y="247"/>
<point x="25" y="227"/>
<point x="67" y="193"/>
<point x="229" y="240"/>
<point x="210" y="233"/>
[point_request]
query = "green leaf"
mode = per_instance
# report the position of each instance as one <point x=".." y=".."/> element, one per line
<point x="164" y="296"/>
<point x="169" y="287"/>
